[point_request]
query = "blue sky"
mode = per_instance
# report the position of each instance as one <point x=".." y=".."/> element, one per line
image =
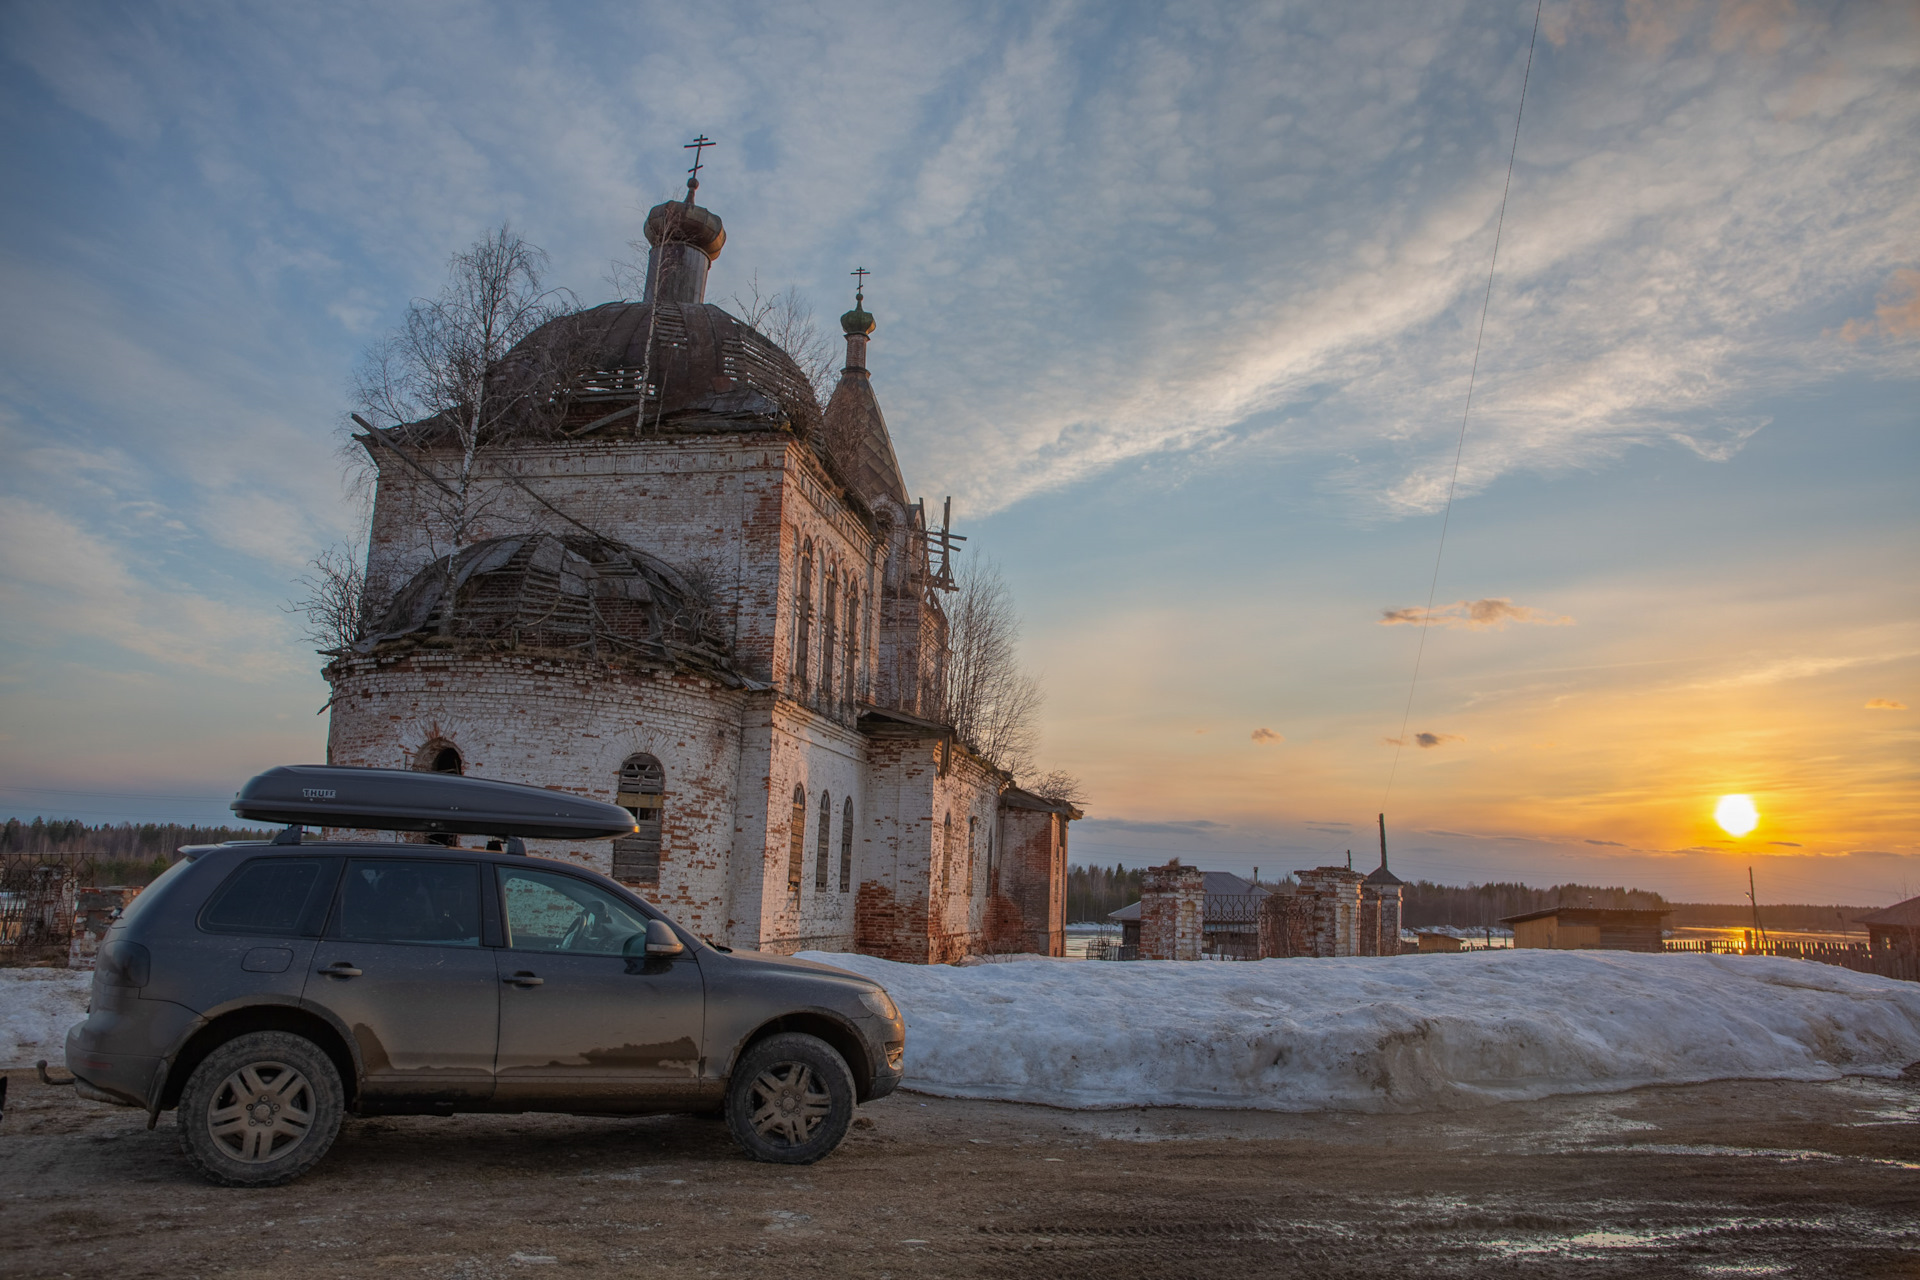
<point x="1178" y="302"/>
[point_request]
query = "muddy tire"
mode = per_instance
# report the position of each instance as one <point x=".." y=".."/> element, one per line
<point x="260" y="1110"/>
<point x="790" y="1099"/>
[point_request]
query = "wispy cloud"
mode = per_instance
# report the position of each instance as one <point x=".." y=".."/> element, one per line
<point x="1491" y="614"/>
<point x="1266" y="735"/>
<point x="1425" y="740"/>
<point x="1885" y="704"/>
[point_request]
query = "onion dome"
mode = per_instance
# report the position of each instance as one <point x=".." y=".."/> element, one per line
<point x="859" y="320"/>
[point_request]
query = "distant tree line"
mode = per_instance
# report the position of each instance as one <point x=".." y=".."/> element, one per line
<point x="1773" y="915"/>
<point x="1480" y="905"/>
<point x="1092" y="892"/>
<point x="119" y="853"/>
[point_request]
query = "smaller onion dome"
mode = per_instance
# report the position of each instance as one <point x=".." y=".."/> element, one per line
<point x="859" y="320"/>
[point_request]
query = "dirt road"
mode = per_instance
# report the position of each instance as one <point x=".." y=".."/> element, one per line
<point x="1712" y="1180"/>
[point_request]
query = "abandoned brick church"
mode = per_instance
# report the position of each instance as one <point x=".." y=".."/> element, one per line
<point x="708" y="599"/>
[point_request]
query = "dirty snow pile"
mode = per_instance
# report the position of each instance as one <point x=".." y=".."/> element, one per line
<point x="1398" y="1034"/>
<point x="36" y="1008"/>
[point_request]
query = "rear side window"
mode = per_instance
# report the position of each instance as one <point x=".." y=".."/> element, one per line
<point x="282" y="897"/>
<point x="387" y="900"/>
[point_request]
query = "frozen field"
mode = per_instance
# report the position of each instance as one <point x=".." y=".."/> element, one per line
<point x="1408" y="1033"/>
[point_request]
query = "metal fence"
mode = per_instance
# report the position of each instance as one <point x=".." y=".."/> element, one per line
<point x="36" y="910"/>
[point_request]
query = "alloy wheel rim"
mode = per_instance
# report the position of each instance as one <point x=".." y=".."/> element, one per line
<point x="789" y="1103"/>
<point x="261" y="1112"/>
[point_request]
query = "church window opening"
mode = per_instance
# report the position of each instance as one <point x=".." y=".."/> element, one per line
<point x="973" y="826"/>
<point x="642" y="792"/>
<point x="853" y="645"/>
<point x="846" y="848"/>
<point x="797" y="840"/>
<point x="946" y="854"/>
<point x="830" y="616"/>
<point x="439" y="756"/>
<point x="803" y="611"/>
<point x="823" y="848"/>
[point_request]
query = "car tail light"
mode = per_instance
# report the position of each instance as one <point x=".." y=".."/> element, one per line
<point x="124" y="964"/>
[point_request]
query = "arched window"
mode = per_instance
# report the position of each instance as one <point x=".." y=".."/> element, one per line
<point x="973" y="826"/>
<point x="946" y="854"/>
<point x="803" y="617"/>
<point x="830" y="616"/>
<point x="853" y="645"/>
<point x="642" y="792"/>
<point x="797" y="838"/>
<point x="846" y="848"/>
<point x="439" y="756"/>
<point x="824" y="846"/>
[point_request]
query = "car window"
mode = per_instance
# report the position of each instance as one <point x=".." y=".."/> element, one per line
<point x="548" y="912"/>
<point x="266" y="896"/>
<point x="386" y="900"/>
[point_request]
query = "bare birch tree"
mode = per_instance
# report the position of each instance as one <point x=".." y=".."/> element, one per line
<point x="443" y="382"/>
<point x="786" y="320"/>
<point x="991" y="703"/>
<point x="335" y="600"/>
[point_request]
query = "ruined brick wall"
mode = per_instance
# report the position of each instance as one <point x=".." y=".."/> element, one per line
<point x="1028" y="890"/>
<point x="1331" y="899"/>
<point x="1172" y="907"/>
<point x="1284" y="923"/>
<point x="737" y="507"/>
<point x="789" y="746"/>
<point x="923" y="898"/>
<point x="94" y="911"/>
<point x="1380" y="920"/>
<point x="558" y="722"/>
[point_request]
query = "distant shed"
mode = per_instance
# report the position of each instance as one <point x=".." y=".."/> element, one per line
<point x="1589" y="928"/>
<point x="1430" y="942"/>
<point x="1894" y="930"/>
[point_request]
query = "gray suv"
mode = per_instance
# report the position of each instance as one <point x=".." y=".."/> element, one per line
<point x="264" y="990"/>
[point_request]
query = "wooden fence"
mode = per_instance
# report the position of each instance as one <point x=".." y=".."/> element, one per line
<point x="1848" y="955"/>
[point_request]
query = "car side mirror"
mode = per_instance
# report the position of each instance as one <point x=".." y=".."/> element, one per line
<point x="662" y="940"/>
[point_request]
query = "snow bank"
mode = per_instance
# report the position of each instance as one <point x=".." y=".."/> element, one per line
<point x="36" y="1008"/>
<point x="1402" y="1034"/>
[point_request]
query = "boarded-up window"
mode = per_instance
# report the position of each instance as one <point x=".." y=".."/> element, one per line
<point x="797" y="837"/>
<point x="846" y="848"/>
<point x="803" y="612"/>
<point x="643" y="793"/>
<point x="823" y="847"/>
<point x="830" y="615"/>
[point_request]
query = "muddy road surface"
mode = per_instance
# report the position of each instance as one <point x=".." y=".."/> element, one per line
<point x="1732" y="1179"/>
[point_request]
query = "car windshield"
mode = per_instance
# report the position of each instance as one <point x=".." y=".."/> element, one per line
<point x="549" y="912"/>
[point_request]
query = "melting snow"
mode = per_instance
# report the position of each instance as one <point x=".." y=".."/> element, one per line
<point x="1398" y="1034"/>
<point x="36" y="1008"/>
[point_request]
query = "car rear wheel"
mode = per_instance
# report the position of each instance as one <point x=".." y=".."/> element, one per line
<point x="790" y="1100"/>
<point x="260" y="1110"/>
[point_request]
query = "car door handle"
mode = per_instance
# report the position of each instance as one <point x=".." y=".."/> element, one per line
<point x="341" y="969"/>
<point x="524" y="979"/>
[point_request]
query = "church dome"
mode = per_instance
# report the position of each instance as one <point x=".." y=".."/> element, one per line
<point x="702" y="366"/>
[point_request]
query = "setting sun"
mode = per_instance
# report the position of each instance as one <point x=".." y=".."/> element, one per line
<point x="1736" y="815"/>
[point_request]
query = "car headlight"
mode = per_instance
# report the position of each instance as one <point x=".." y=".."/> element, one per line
<point x="881" y="1003"/>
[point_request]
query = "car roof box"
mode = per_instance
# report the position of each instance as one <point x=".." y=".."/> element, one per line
<point x="320" y="795"/>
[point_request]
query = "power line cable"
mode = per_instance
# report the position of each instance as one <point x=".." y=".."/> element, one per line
<point x="1426" y="617"/>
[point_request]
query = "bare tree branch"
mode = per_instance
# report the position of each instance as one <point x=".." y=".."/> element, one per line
<point x="786" y="319"/>
<point x="335" y="604"/>
<point x="991" y="703"/>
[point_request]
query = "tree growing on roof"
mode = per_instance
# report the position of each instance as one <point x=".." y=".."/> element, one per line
<point x="442" y="382"/>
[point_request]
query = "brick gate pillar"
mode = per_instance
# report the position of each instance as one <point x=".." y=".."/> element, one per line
<point x="1172" y="906"/>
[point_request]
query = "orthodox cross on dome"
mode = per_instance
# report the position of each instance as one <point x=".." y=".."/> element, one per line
<point x="860" y="287"/>
<point x="697" y="146"/>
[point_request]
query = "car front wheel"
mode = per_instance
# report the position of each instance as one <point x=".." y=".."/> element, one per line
<point x="790" y="1100"/>
<point x="260" y="1110"/>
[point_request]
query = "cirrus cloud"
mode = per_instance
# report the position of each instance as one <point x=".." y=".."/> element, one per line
<point x="1490" y="614"/>
<point x="1885" y="704"/>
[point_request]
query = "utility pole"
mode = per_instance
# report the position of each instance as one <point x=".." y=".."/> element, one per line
<point x="1754" y="902"/>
